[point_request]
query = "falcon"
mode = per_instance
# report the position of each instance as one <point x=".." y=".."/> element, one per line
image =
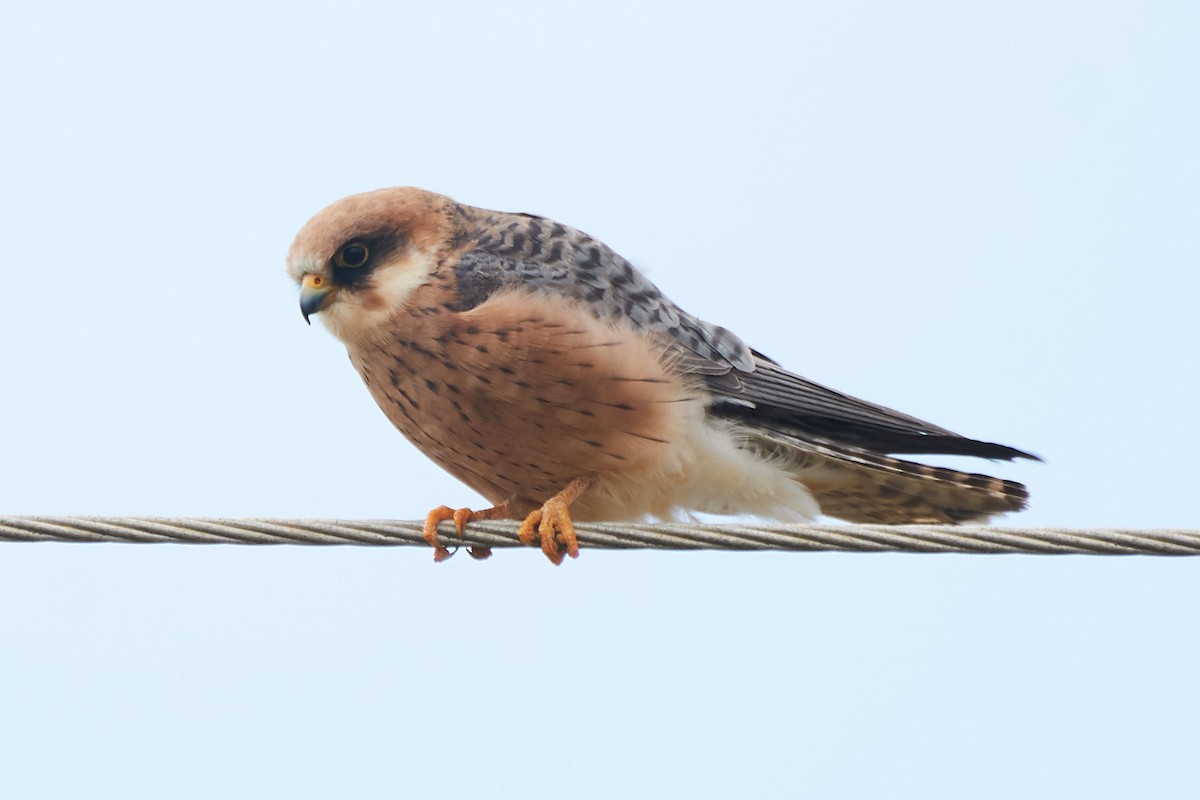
<point x="543" y="370"/>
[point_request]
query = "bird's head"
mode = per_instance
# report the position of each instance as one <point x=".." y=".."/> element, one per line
<point x="359" y="260"/>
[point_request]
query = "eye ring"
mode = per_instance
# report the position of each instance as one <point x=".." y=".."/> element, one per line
<point x="352" y="255"/>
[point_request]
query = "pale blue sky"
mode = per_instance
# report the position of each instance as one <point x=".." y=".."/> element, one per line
<point x="982" y="214"/>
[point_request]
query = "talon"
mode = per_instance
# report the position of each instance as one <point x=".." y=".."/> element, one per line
<point x="429" y="531"/>
<point x="546" y="529"/>
<point x="528" y="530"/>
<point x="460" y="517"/>
<point x="567" y="532"/>
<point x="552" y="521"/>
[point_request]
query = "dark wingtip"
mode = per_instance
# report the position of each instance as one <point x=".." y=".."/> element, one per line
<point x="1012" y="453"/>
<point x="952" y="446"/>
<point x="993" y="450"/>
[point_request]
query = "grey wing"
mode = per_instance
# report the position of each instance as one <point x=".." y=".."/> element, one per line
<point x="770" y="397"/>
<point x="531" y="251"/>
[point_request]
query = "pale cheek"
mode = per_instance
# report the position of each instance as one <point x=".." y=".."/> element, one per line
<point x="394" y="283"/>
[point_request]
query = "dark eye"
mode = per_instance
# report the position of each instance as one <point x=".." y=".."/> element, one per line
<point x="352" y="255"/>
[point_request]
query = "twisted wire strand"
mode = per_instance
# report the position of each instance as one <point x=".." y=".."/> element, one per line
<point x="671" y="536"/>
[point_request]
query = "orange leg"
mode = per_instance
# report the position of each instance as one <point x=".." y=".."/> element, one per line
<point x="553" y="519"/>
<point x="461" y="517"/>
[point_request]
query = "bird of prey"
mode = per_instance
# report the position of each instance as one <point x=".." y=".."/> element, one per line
<point x="543" y="370"/>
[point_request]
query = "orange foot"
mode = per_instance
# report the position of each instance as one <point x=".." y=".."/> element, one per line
<point x="553" y="519"/>
<point x="461" y="517"/>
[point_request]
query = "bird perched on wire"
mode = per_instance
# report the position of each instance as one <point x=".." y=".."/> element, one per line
<point x="543" y="370"/>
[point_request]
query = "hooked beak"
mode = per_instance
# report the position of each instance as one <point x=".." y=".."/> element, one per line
<point x="315" y="294"/>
